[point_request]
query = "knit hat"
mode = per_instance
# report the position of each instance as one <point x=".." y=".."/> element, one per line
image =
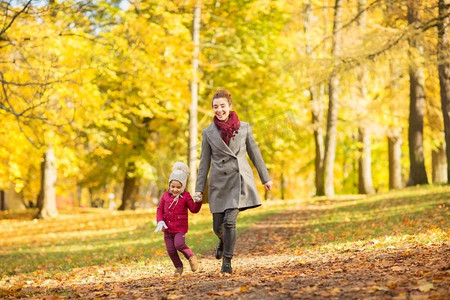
<point x="180" y="173"/>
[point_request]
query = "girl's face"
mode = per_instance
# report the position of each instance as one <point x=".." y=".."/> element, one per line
<point x="175" y="187"/>
<point x="221" y="109"/>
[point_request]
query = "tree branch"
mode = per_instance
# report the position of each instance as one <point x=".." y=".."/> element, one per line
<point x="7" y="26"/>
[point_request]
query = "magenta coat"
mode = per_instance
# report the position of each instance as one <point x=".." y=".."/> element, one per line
<point x="176" y="215"/>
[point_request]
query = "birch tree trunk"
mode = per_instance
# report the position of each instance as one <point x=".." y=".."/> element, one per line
<point x="395" y="158"/>
<point x="417" y="172"/>
<point x="439" y="165"/>
<point x="444" y="72"/>
<point x="365" y="185"/>
<point x="194" y="98"/>
<point x="47" y="208"/>
<point x="333" y="105"/>
<point x="365" y="182"/>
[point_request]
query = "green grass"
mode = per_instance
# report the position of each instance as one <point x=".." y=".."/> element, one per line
<point x="421" y="214"/>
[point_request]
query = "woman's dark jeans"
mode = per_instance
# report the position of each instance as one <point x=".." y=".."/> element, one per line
<point x="224" y="225"/>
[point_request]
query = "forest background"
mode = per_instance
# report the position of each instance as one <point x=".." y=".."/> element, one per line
<point x="99" y="98"/>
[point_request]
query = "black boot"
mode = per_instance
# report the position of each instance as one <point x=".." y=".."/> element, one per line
<point x="219" y="250"/>
<point x="226" y="266"/>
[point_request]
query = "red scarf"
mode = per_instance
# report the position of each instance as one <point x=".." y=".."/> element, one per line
<point x="229" y="128"/>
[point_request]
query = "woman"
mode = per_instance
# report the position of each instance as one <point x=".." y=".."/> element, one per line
<point x="225" y="144"/>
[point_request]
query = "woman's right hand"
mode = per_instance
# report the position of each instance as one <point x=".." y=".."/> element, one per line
<point x="268" y="185"/>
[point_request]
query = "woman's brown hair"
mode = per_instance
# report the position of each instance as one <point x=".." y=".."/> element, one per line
<point x="222" y="94"/>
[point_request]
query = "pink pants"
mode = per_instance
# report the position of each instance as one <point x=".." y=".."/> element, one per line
<point x="176" y="242"/>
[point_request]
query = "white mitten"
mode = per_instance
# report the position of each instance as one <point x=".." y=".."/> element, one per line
<point x="197" y="198"/>
<point x="160" y="226"/>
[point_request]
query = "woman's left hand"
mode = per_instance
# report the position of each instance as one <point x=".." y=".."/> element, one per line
<point x="268" y="185"/>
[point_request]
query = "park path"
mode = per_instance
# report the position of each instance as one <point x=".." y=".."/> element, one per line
<point x="265" y="267"/>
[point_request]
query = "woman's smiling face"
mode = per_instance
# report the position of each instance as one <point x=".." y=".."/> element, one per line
<point x="221" y="109"/>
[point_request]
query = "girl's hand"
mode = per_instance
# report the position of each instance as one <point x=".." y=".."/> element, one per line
<point x="268" y="185"/>
<point x="198" y="197"/>
<point x="160" y="226"/>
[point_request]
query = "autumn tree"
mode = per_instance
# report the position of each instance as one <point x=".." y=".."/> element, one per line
<point x="26" y="95"/>
<point x="51" y="47"/>
<point x="144" y="96"/>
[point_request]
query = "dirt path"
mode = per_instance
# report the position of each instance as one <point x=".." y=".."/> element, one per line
<point x="265" y="269"/>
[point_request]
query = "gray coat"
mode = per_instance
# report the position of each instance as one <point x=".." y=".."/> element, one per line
<point x="231" y="182"/>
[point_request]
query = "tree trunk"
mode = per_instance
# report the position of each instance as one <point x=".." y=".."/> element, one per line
<point x="2" y="200"/>
<point x="40" y="197"/>
<point x="316" y="94"/>
<point x="129" y="187"/>
<point x="317" y="119"/>
<point x="395" y="158"/>
<point x="444" y="72"/>
<point x="194" y="99"/>
<point x="48" y="205"/>
<point x="333" y="106"/>
<point x="365" y="184"/>
<point x="439" y="165"/>
<point x="417" y="172"/>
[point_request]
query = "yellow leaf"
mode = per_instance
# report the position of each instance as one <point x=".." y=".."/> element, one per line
<point x="426" y="287"/>
<point x="335" y="291"/>
<point x="243" y="289"/>
<point x="391" y="284"/>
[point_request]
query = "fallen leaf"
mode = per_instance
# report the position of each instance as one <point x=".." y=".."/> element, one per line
<point x="391" y="284"/>
<point x="118" y="290"/>
<point x="335" y="291"/>
<point x="243" y="288"/>
<point x="426" y="287"/>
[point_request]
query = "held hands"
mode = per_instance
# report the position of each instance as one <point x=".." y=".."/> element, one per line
<point x="198" y="197"/>
<point x="268" y="185"/>
<point x="160" y="226"/>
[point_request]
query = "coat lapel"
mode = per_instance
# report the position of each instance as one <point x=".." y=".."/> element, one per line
<point x="235" y="143"/>
<point x="214" y="137"/>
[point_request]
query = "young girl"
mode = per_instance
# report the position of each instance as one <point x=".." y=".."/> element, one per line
<point x="232" y="188"/>
<point x="172" y="217"/>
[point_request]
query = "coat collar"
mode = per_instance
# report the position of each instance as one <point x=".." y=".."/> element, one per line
<point x="214" y="136"/>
